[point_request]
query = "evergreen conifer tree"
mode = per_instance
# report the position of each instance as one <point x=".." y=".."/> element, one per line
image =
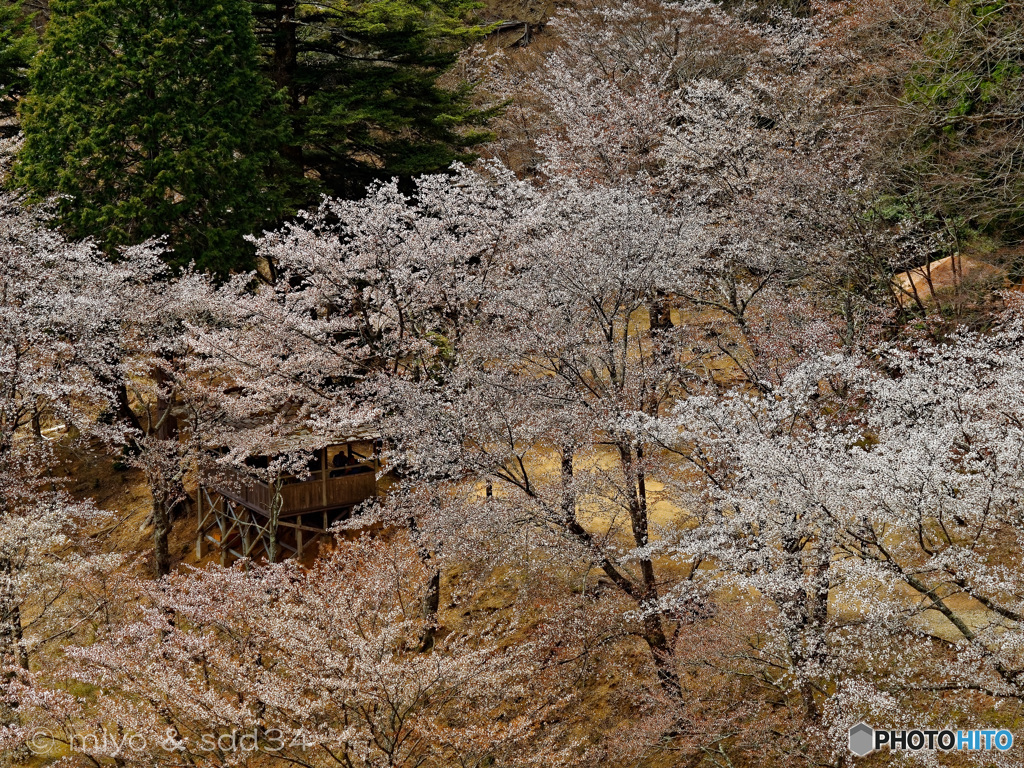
<point x="150" y="118"/>
<point x="363" y="82"/>
<point x="18" y="42"/>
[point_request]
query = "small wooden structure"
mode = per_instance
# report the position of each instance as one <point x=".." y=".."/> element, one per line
<point x="245" y="518"/>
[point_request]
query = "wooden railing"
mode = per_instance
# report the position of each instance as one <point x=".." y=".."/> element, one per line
<point x="316" y="493"/>
<point x="252" y="494"/>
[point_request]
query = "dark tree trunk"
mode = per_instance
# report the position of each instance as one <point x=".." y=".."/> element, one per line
<point x="661" y="315"/>
<point x="12" y="647"/>
<point x="645" y="593"/>
<point x="169" y="494"/>
<point x="12" y="653"/>
<point x="432" y="597"/>
<point x="431" y="604"/>
<point x="806" y="611"/>
<point x="161" y="532"/>
<point x="653" y="631"/>
<point x="123" y="413"/>
<point x="283" y="71"/>
<point x="568" y="491"/>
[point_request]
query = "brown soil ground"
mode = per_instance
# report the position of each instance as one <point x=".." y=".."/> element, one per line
<point x="123" y="492"/>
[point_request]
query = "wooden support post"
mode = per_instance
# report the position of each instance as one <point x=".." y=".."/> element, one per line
<point x="201" y="526"/>
<point x="376" y="465"/>
<point x="243" y="527"/>
<point x="221" y="511"/>
<point x="323" y="476"/>
<point x="298" y="541"/>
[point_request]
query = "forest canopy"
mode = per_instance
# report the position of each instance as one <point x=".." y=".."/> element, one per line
<point x="207" y="122"/>
<point x="426" y="383"/>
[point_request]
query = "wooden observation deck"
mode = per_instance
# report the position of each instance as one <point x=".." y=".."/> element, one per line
<point x="245" y="518"/>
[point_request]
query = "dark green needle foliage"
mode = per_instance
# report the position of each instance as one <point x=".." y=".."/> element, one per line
<point x="365" y="86"/>
<point x="151" y="118"/>
<point x="18" y="42"/>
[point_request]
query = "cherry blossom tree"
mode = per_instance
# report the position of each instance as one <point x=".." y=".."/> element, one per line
<point x="533" y="396"/>
<point x="318" y="667"/>
<point x="646" y="408"/>
<point x="179" y="407"/>
<point x="740" y="122"/>
<point x="484" y="324"/>
<point x="57" y="303"/>
<point x="875" y="508"/>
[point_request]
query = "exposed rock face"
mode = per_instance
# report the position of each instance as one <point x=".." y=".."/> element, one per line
<point x="536" y="12"/>
<point x="937" y="280"/>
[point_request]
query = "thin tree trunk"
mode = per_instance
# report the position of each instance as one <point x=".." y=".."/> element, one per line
<point x="431" y="604"/>
<point x="806" y="612"/>
<point x="581" y="534"/>
<point x="167" y="490"/>
<point x="647" y="594"/>
<point x="817" y="621"/>
<point x="19" y="637"/>
<point x="161" y="532"/>
<point x="11" y="636"/>
<point x="661" y="315"/>
<point x="432" y="597"/>
<point x="276" y="504"/>
<point x="283" y="71"/>
<point x="568" y="491"/>
<point x="653" y="630"/>
<point x="123" y="413"/>
<point x="12" y="653"/>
